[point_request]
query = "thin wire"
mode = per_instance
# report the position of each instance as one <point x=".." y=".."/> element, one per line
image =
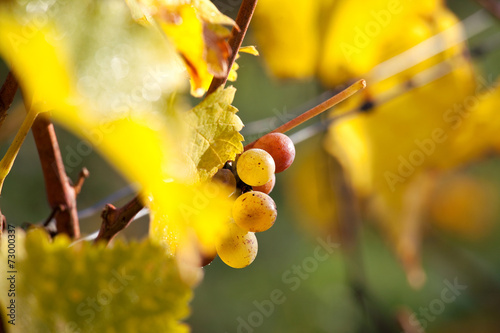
<point x="424" y="77"/>
<point x="473" y="25"/>
<point x="98" y="206"/>
<point x="92" y="236"/>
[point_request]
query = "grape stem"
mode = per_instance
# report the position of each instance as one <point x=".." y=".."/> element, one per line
<point x="341" y="96"/>
<point x="239" y="31"/>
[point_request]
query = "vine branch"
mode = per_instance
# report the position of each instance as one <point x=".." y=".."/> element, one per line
<point x="243" y="19"/>
<point x="7" y="94"/>
<point x="61" y="195"/>
<point x="116" y="219"/>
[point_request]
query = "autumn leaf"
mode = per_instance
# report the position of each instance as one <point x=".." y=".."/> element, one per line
<point x="186" y="219"/>
<point x="308" y="189"/>
<point x="389" y="152"/>
<point x="464" y="206"/>
<point x="334" y="40"/>
<point x="196" y="28"/>
<point x="202" y="207"/>
<point x="233" y="75"/>
<point x="113" y="82"/>
<point x="215" y="132"/>
<point x="395" y="151"/>
<point x="355" y="41"/>
<point x="286" y="33"/>
<point x="121" y="287"/>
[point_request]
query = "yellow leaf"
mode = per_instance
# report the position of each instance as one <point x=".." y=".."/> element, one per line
<point x="249" y="49"/>
<point x="215" y="136"/>
<point x="475" y="125"/>
<point x="196" y="29"/>
<point x="189" y="217"/>
<point x="390" y="152"/>
<point x="361" y="34"/>
<point x="308" y="187"/>
<point x="233" y="75"/>
<point x="48" y="89"/>
<point x="287" y="34"/>
<point x="129" y="283"/>
<point x="464" y="206"/>
<point x="110" y="80"/>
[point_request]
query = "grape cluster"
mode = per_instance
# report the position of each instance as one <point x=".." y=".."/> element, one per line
<point x="253" y="177"/>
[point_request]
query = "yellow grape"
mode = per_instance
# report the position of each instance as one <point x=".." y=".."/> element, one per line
<point x="254" y="211"/>
<point x="255" y="167"/>
<point x="237" y="248"/>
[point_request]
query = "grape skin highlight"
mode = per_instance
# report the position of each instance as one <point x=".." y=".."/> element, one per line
<point x="237" y="248"/>
<point x="255" y="167"/>
<point x="254" y="211"/>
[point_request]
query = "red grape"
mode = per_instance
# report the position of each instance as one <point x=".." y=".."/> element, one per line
<point x="267" y="187"/>
<point x="280" y="147"/>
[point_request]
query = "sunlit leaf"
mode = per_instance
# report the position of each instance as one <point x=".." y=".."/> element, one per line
<point x="356" y="38"/>
<point x="197" y="30"/>
<point x="287" y="35"/>
<point x="189" y="217"/>
<point x="393" y="153"/>
<point x="112" y="81"/>
<point x="309" y="190"/>
<point x="215" y="132"/>
<point x="390" y="151"/>
<point x="91" y="288"/>
<point x="233" y="75"/>
<point x="464" y="206"/>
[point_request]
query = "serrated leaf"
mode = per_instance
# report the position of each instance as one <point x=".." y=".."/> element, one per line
<point x="215" y="136"/>
<point x="87" y="288"/>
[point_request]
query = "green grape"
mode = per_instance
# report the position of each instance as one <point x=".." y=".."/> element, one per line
<point x="237" y="247"/>
<point x="255" y="167"/>
<point x="254" y="211"/>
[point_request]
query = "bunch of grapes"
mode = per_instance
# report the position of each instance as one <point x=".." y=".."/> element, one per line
<point x="253" y="177"/>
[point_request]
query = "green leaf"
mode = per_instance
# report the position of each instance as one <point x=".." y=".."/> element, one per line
<point x="215" y="136"/>
<point x="132" y="287"/>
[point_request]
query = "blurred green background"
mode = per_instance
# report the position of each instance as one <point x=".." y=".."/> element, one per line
<point x="325" y="299"/>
